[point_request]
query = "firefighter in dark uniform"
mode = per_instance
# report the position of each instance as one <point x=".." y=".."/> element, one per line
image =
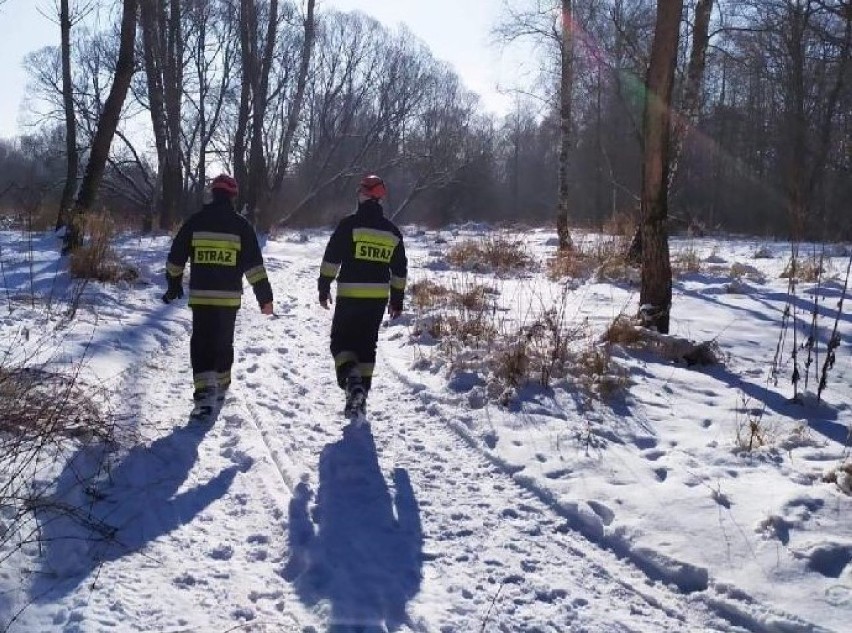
<point x="366" y="255"/>
<point x="222" y="248"/>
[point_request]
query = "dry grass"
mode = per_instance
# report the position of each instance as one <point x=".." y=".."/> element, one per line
<point x="570" y="265"/>
<point x="603" y="257"/>
<point x="623" y="224"/>
<point x="491" y="254"/>
<point x="744" y="271"/>
<point x="455" y="330"/>
<point x="96" y="259"/>
<point x="548" y="348"/>
<point x="47" y="414"/>
<point x="808" y="270"/>
<point x="624" y="331"/>
<point x="686" y="261"/>
<point x="37" y="403"/>
<point x="627" y="333"/>
<point x="428" y="294"/>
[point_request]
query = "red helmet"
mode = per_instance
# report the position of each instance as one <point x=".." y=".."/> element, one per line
<point x="372" y="187"/>
<point x="223" y="182"/>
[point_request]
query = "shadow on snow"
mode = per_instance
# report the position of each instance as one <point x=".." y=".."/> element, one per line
<point x="94" y="517"/>
<point x="359" y="548"/>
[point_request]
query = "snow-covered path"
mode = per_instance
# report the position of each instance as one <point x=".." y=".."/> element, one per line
<point x="485" y="548"/>
<point x="280" y="516"/>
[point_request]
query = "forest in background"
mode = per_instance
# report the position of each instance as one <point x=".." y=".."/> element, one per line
<point x="298" y="105"/>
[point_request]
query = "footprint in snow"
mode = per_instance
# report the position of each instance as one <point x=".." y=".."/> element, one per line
<point x="223" y="552"/>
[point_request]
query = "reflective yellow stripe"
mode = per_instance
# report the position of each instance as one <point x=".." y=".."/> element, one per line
<point x="329" y="269"/>
<point x="375" y="236"/>
<point x="210" y="301"/>
<point x="397" y="283"/>
<point x="213" y="239"/>
<point x="204" y="379"/>
<point x="224" y="244"/>
<point x="173" y="270"/>
<point x="366" y="369"/>
<point x="221" y="298"/>
<point x="224" y="378"/>
<point x="256" y="274"/>
<point x="363" y="291"/>
<point x="345" y="357"/>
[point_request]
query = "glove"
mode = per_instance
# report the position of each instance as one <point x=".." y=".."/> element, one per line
<point x="394" y="309"/>
<point x="174" y="292"/>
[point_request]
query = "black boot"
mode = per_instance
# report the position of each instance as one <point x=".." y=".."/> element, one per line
<point x="356" y="397"/>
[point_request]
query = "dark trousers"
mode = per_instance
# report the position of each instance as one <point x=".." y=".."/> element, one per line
<point x="354" y="333"/>
<point x="211" y="347"/>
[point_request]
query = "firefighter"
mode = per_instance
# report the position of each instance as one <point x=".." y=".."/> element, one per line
<point x="222" y="247"/>
<point x="366" y="255"/>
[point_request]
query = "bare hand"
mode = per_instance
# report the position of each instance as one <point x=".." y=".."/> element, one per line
<point x="266" y="308"/>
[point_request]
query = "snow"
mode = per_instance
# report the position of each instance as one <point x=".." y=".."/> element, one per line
<point x="447" y="512"/>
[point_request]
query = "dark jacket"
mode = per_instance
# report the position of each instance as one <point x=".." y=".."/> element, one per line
<point x="366" y="255"/>
<point x="222" y="247"/>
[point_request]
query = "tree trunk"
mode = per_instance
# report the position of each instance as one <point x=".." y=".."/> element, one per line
<point x="295" y="109"/>
<point x="691" y="104"/>
<point x="107" y="124"/>
<point x="566" y="89"/>
<point x="656" y="292"/>
<point x="257" y="168"/>
<point x="72" y="156"/>
<point x="173" y="92"/>
<point x="248" y="34"/>
<point x="163" y="54"/>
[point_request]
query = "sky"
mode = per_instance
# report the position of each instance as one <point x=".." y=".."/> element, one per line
<point x="463" y="40"/>
<point x="557" y="512"/>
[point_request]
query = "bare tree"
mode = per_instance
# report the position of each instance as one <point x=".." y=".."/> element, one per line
<point x="566" y="90"/>
<point x="107" y="124"/>
<point x="656" y="291"/>
<point x="163" y="39"/>
<point x="257" y="45"/>
<point x="693" y="85"/>
<point x="553" y="22"/>
<point x="295" y="105"/>
<point x="72" y="156"/>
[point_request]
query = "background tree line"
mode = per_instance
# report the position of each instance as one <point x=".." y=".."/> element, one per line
<point x="298" y="103"/>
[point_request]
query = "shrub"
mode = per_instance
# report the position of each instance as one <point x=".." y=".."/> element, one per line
<point x="602" y="256"/>
<point x="686" y="261"/>
<point x="47" y="413"/>
<point x="490" y="254"/>
<point x="807" y="270"/>
<point x="740" y="271"/>
<point x="628" y="333"/>
<point x="95" y="258"/>
<point x="624" y="331"/>
<point x="622" y="224"/>
<point x="462" y="295"/>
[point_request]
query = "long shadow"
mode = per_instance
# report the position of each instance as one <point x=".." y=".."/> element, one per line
<point x="774" y="401"/>
<point x="359" y="548"/>
<point x="838" y="433"/>
<point x="95" y="517"/>
<point x="775" y="302"/>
